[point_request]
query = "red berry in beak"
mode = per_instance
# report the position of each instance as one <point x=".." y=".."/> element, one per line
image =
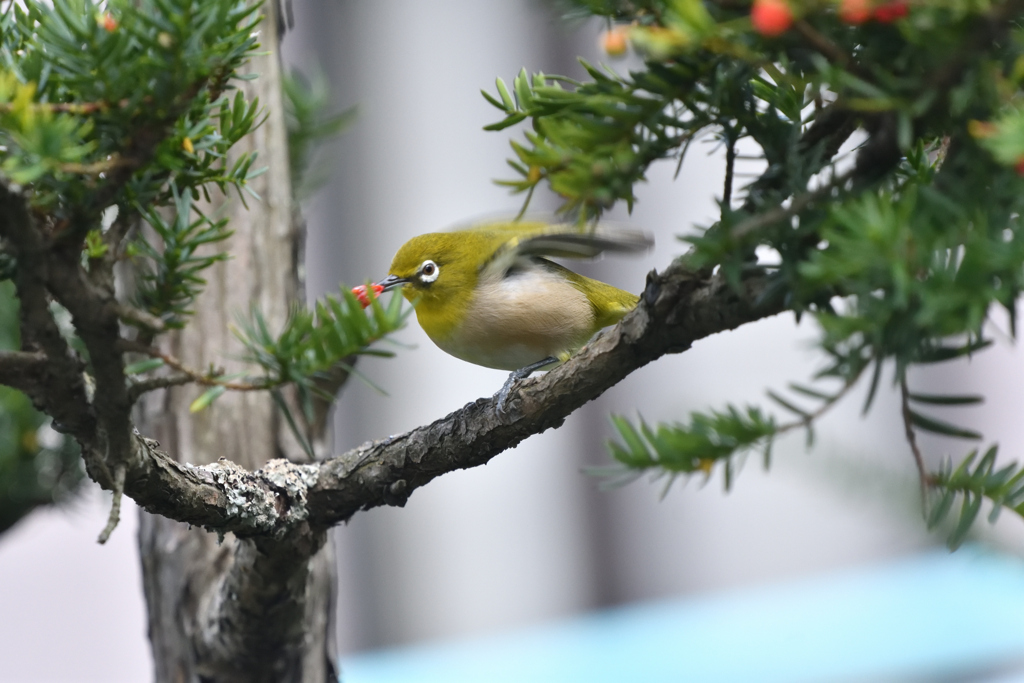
<point x="361" y="293"/>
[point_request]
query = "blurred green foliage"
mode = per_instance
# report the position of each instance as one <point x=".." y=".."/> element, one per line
<point x="128" y="105"/>
<point x="306" y="106"/>
<point x="901" y="245"/>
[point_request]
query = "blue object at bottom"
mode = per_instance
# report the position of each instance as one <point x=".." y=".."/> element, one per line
<point x="933" y="617"/>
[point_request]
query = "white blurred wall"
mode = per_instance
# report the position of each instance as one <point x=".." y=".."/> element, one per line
<point x="71" y="610"/>
<point x="527" y="537"/>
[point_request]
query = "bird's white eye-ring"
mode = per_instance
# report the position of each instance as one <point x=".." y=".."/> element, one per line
<point x="429" y="271"/>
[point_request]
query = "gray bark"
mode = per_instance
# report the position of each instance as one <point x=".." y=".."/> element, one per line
<point x="284" y="498"/>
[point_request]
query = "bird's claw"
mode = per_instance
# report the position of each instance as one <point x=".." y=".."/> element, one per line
<point x="503" y="393"/>
<point x="521" y="373"/>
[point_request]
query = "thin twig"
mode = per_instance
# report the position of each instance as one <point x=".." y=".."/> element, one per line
<point x="115" y="160"/>
<point x="822" y="44"/>
<point x="781" y="213"/>
<point x="682" y="155"/>
<point x="139" y="318"/>
<point x="115" y="505"/>
<point x="730" y="164"/>
<point x="136" y="390"/>
<point x="203" y="378"/>
<point x="806" y="420"/>
<point x="908" y="428"/>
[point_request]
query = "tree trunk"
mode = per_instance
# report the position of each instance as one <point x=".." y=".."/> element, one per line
<point x="233" y="609"/>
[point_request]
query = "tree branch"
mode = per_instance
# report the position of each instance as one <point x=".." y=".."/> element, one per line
<point x="22" y="369"/>
<point x="136" y="390"/>
<point x="59" y="388"/>
<point x="258" y="608"/>
<point x="94" y="312"/>
<point x="139" y="318"/>
<point x="677" y="308"/>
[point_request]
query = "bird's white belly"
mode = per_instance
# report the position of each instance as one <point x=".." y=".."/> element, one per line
<point x="520" y="319"/>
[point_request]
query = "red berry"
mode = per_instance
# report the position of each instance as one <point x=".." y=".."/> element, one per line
<point x="108" y="22"/>
<point x="1020" y="166"/>
<point x="855" y="11"/>
<point x="771" y="17"/>
<point x="361" y="293"/>
<point x="614" y="41"/>
<point x="891" y="11"/>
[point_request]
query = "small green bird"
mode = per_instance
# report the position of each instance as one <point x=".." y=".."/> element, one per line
<point x="489" y="296"/>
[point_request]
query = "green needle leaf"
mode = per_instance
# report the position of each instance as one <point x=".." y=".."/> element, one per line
<point x="939" y="427"/>
<point x="946" y="400"/>
<point x="143" y="366"/>
<point x="206" y="398"/>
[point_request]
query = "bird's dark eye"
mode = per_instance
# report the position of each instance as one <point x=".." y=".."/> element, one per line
<point x="429" y="271"/>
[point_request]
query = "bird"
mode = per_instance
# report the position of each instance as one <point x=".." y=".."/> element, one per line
<point x="490" y="294"/>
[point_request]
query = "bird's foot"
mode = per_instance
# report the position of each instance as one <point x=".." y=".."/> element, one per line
<point x="503" y="393"/>
<point x="515" y="376"/>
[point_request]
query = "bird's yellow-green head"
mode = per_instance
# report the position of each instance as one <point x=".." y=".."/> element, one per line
<point x="441" y="269"/>
<point x="439" y="266"/>
<point x="438" y="273"/>
<point x="433" y="268"/>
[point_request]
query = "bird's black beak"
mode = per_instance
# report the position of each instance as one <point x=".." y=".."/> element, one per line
<point x="391" y="282"/>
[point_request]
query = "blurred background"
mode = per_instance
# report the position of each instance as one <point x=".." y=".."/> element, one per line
<point x="530" y="537"/>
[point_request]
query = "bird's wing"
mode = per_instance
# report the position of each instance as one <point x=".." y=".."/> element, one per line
<point x="562" y="241"/>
